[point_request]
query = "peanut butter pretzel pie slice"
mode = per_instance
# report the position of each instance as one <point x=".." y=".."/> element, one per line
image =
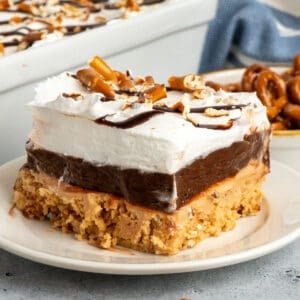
<point x="124" y="160"/>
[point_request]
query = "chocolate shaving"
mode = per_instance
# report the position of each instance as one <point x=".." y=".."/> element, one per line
<point x="150" y="2"/>
<point x="106" y="99"/>
<point x="200" y="109"/>
<point x="225" y="107"/>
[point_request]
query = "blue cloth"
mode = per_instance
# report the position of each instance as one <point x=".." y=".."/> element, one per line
<point x="247" y="31"/>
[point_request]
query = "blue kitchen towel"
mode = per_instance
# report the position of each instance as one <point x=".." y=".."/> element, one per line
<point x="249" y="31"/>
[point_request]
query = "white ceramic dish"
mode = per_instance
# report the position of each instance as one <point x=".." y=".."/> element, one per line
<point x="150" y="41"/>
<point x="277" y="225"/>
<point x="285" y="145"/>
<point x="162" y="41"/>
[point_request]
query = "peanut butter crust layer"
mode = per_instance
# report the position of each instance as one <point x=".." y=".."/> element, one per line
<point x="147" y="189"/>
<point x="106" y="220"/>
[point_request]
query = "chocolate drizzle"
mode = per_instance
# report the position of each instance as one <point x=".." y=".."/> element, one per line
<point x="130" y="122"/>
<point x="150" y="2"/>
<point x="107" y="99"/>
<point x="225" y="107"/>
<point x="11" y="44"/>
<point x="201" y="109"/>
<point x="145" y="116"/>
<point x="72" y="29"/>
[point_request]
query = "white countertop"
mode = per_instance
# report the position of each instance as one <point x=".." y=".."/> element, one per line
<point x="275" y="276"/>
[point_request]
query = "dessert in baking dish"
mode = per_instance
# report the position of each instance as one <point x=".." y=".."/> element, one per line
<point x="123" y="160"/>
<point x="28" y="23"/>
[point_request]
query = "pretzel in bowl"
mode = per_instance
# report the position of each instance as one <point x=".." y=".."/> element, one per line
<point x="296" y="64"/>
<point x="292" y="112"/>
<point x="294" y="71"/>
<point x="280" y="93"/>
<point x="293" y="89"/>
<point x="250" y="76"/>
<point x="271" y="91"/>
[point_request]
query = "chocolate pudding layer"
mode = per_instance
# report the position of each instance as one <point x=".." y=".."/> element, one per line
<point x="151" y="189"/>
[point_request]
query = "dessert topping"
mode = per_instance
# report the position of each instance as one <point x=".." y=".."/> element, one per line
<point x="95" y="82"/>
<point x="144" y="93"/>
<point x="226" y="124"/>
<point x="212" y="112"/>
<point x="33" y="36"/>
<point x="1" y="49"/>
<point x="16" y="20"/>
<point x="4" y="4"/>
<point x="132" y="5"/>
<point x="100" y="19"/>
<point x="188" y="83"/>
<point x="101" y="67"/>
<point x="156" y="93"/>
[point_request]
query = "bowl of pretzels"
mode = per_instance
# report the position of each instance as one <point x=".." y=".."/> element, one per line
<point x="278" y="88"/>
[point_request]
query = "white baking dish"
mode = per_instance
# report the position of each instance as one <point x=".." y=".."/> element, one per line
<point x="165" y="40"/>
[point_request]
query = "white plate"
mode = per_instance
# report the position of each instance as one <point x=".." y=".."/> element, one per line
<point x="277" y="225"/>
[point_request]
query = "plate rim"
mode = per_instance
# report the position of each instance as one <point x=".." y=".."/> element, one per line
<point x="149" y="268"/>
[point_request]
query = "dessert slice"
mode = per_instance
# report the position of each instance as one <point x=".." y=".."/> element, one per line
<point x="119" y="160"/>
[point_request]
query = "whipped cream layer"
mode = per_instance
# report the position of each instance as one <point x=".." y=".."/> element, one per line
<point x="32" y="23"/>
<point x="66" y="121"/>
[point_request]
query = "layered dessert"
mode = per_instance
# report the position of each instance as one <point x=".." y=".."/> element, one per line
<point x="32" y="23"/>
<point x="123" y="160"/>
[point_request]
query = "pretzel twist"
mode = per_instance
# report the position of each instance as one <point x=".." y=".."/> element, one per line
<point x="293" y="89"/>
<point x="296" y="63"/>
<point x="250" y="76"/>
<point x="271" y="90"/>
<point x="292" y="112"/>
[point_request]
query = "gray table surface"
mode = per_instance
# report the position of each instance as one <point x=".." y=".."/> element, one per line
<point x="275" y="276"/>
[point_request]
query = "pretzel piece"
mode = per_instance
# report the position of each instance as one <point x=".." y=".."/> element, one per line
<point x="156" y="93"/>
<point x="100" y="66"/>
<point x="94" y="82"/>
<point x="187" y="83"/>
